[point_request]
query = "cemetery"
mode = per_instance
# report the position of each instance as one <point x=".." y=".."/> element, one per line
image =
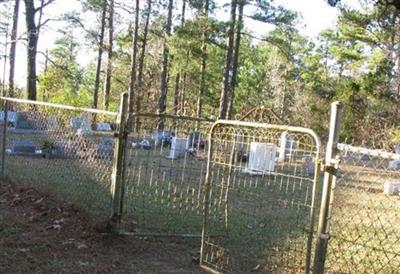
<point x="261" y="179"/>
<point x="202" y="136"/>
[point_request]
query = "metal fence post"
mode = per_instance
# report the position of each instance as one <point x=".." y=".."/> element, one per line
<point x="117" y="178"/>
<point x="330" y="169"/>
<point x="4" y="140"/>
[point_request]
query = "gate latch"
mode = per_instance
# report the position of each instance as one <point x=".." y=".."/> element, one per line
<point x="330" y="169"/>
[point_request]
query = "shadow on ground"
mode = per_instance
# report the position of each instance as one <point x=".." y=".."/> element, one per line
<point x="39" y="234"/>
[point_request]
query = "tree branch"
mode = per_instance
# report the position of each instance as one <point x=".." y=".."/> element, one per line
<point x="44" y="23"/>
<point x="268" y="41"/>
<point x="76" y="20"/>
<point x="44" y="5"/>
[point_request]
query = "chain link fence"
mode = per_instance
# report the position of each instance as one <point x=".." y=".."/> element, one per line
<point x="63" y="150"/>
<point x="365" y="213"/>
<point x="250" y="191"/>
<point x="262" y="187"/>
<point x="165" y="166"/>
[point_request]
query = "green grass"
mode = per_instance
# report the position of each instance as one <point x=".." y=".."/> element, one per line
<point x="365" y="224"/>
<point x="268" y="216"/>
<point x="68" y="180"/>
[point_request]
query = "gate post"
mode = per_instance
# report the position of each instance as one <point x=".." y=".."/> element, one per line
<point x="117" y="177"/>
<point x="330" y="168"/>
<point x="4" y="140"/>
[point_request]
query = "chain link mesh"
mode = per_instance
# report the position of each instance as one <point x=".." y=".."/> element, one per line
<point x="65" y="151"/>
<point x="254" y="188"/>
<point x="365" y="217"/>
<point x="261" y="199"/>
<point x="164" y="171"/>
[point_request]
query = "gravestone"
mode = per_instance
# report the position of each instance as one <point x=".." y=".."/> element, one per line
<point x="365" y="158"/>
<point x="391" y="188"/>
<point x="65" y="149"/>
<point x="286" y="146"/>
<point x="194" y="141"/>
<point x="145" y="144"/>
<point x="162" y="138"/>
<point x="83" y="124"/>
<point x="24" y="121"/>
<point x="11" y="117"/>
<point x="75" y="122"/>
<point x="395" y="164"/>
<point x="24" y="148"/>
<point x="241" y="148"/>
<point x="102" y="126"/>
<point x="178" y="148"/>
<point x="309" y="164"/>
<point x="397" y="149"/>
<point x="34" y="122"/>
<point x="86" y="124"/>
<point x="262" y="158"/>
<point x="105" y="147"/>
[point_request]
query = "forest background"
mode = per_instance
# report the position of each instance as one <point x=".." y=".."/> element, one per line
<point x="208" y="58"/>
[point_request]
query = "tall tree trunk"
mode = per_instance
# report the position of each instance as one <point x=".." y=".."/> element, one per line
<point x="283" y="97"/>
<point x="223" y="104"/>
<point x="45" y="94"/>
<point x="99" y="55"/>
<point x="177" y="93"/>
<point x="5" y="65"/>
<point x="182" y="97"/>
<point x="178" y="75"/>
<point x="13" y="47"/>
<point x="133" y="60"/>
<point x="182" y="84"/>
<point x="235" y="66"/>
<point x="107" y="86"/>
<point x="33" y="37"/>
<point x="162" y="103"/>
<point x="141" y="63"/>
<point x="203" y="62"/>
<point x="32" y="48"/>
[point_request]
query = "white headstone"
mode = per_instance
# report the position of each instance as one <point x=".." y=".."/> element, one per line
<point x="161" y="138"/>
<point x="178" y="148"/>
<point x="397" y="149"/>
<point x="286" y="146"/>
<point x="86" y="124"/>
<point x="262" y="158"/>
<point x="395" y="164"/>
<point x="309" y="164"/>
<point x="391" y="188"/>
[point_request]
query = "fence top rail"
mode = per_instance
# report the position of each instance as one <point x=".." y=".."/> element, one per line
<point x="171" y="116"/>
<point x="270" y="126"/>
<point x="370" y="152"/>
<point x="46" y="104"/>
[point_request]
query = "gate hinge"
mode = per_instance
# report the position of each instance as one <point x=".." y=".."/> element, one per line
<point x="330" y="169"/>
<point x="325" y="236"/>
<point x="122" y="135"/>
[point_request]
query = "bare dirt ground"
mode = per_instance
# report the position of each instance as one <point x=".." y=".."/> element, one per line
<point x="39" y="234"/>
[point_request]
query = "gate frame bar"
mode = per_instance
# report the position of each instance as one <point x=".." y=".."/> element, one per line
<point x="207" y="184"/>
